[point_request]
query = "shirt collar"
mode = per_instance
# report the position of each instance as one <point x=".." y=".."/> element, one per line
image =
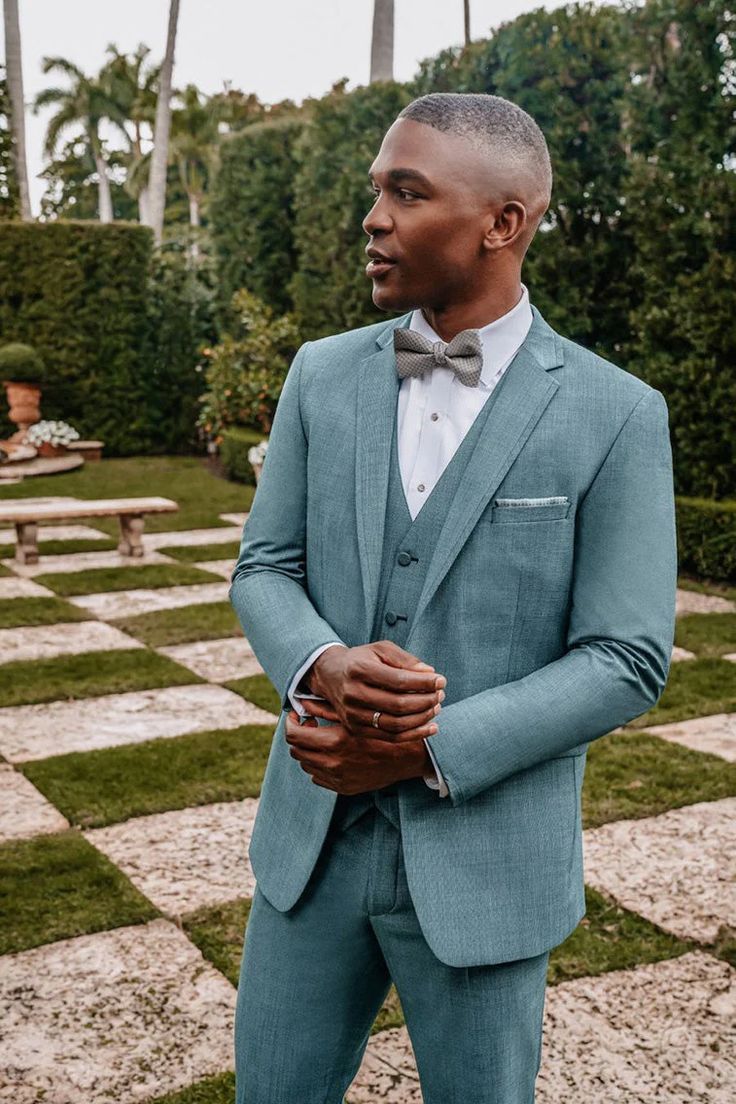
<point x="500" y="339"/>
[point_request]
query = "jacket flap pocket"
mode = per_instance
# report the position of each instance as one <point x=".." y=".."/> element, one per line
<point x="549" y="508"/>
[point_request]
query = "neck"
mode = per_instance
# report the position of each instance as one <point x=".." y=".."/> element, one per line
<point x="449" y="319"/>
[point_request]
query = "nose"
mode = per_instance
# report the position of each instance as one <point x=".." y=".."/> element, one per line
<point x="377" y="218"/>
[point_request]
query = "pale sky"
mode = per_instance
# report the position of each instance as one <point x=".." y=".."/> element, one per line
<point x="277" y="49"/>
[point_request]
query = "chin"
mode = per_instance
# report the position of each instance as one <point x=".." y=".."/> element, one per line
<point x="391" y="299"/>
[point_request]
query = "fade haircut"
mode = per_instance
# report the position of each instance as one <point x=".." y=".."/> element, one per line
<point x="496" y="127"/>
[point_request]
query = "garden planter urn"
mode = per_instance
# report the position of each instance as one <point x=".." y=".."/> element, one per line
<point x="24" y="403"/>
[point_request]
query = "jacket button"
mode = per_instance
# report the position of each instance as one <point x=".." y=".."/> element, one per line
<point x="403" y="558"/>
<point x="391" y="618"/>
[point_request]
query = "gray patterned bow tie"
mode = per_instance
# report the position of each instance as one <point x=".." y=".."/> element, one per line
<point x="415" y="353"/>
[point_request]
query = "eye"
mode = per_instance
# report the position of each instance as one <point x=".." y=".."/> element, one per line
<point x="403" y="192"/>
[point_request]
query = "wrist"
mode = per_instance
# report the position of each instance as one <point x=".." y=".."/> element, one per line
<point x="315" y="677"/>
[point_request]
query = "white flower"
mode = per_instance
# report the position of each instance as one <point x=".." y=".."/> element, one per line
<point x="257" y="453"/>
<point x="51" y="432"/>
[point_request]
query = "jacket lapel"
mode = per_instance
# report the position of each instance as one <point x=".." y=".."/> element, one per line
<point x="524" y="392"/>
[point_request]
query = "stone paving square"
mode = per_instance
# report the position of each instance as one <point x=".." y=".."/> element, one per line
<point x="663" y="1033"/>
<point x="186" y="538"/>
<point x="38" y="731"/>
<point x="187" y="858"/>
<point x="84" y="561"/>
<point x="64" y="638"/>
<point x="114" y="1017"/>
<point x="677" y="870"/>
<point x="24" y="811"/>
<point x="129" y="603"/>
<point x="691" y="601"/>
<point x="216" y="660"/>
<point x="236" y="519"/>
<point x="715" y="734"/>
<point x="23" y="588"/>
<point x="218" y="567"/>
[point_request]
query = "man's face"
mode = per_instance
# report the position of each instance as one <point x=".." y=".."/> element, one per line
<point x="432" y="209"/>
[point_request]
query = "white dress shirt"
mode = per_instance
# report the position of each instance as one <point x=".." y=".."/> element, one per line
<point x="433" y="415"/>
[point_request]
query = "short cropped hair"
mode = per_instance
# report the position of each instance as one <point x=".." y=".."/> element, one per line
<point x="493" y="125"/>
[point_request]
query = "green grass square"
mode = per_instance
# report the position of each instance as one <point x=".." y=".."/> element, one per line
<point x="629" y="775"/>
<point x="57" y="886"/>
<point x="186" y="625"/>
<point x="100" y="580"/>
<point x="259" y="690"/>
<point x="108" y="785"/>
<point x="695" y="688"/>
<point x="193" y="553"/>
<point x="89" y="675"/>
<point x="18" y="613"/>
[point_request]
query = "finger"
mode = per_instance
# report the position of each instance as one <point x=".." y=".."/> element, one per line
<point x="321" y="709"/>
<point x="399" y="679"/>
<point x="396" y="656"/>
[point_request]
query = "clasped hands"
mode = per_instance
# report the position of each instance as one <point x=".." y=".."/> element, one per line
<point x="351" y="756"/>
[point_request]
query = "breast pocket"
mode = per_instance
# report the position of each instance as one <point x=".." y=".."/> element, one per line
<point x="516" y="510"/>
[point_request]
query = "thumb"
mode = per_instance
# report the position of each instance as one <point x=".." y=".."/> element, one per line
<point x="395" y="656"/>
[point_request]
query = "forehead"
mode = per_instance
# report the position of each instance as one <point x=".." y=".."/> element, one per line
<point x="442" y="158"/>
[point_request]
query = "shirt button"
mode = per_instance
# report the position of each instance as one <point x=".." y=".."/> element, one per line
<point x="391" y="618"/>
<point x="420" y="486"/>
<point x="434" y="417"/>
<point x="403" y="558"/>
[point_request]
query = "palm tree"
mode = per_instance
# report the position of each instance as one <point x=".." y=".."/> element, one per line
<point x="86" y="102"/>
<point x="14" y="78"/>
<point x="466" y="13"/>
<point x="133" y="86"/>
<point x="382" y="43"/>
<point x="194" y="134"/>
<point x="160" y="156"/>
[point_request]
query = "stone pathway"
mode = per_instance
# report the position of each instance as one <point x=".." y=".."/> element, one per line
<point x="715" y="734"/>
<point x="37" y="731"/>
<point x="85" y="561"/>
<point x="126" y="1015"/>
<point x="121" y="1015"/>
<point x="115" y="605"/>
<point x="216" y="660"/>
<point x="187" y="858"/>
<point x="677" y="869"/>
<point x="72" y="638"/>
<point x="25" y="812"/>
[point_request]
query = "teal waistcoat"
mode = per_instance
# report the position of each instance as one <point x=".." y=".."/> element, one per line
<point x="407" y="549"/>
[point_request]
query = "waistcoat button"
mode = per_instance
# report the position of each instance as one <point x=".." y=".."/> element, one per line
<point x="391" y="618"/>
<point x="403" y="558"/>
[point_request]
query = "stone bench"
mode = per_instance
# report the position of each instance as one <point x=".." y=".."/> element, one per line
<point x="26" y="514"/>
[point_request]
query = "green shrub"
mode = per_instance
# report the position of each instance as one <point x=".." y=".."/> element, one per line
<point x="20" y="363"/>
<point x="234" y="453"/>
<point x="706" y="538"/>
<point x="245" y="372"/>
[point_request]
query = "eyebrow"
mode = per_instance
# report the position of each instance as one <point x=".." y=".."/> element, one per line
<point x="405" y="174"/>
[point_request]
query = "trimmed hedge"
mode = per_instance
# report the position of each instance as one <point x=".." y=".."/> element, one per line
<point x="234" y="452"/>
<point x="251" y="213"/>
<point x="706" y="538"/>
<point x="76" y="292"/>
<point x="119" y="333"/>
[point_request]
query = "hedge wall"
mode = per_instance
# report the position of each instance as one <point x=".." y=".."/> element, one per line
<point x="117" y="331"/>
<point x="251" y="213"/>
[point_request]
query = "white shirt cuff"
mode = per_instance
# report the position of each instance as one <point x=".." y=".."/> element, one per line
<point x="292" y="691"/>
<point x="437" y="783"/>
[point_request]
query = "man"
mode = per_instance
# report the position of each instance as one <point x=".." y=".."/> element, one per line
<point x="462" y="546"/>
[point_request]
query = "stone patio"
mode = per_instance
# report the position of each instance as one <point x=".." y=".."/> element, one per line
<point x="677" y="870"/>
<point x="37" y="731"/>
<point x="129" y="603"/>
<point x="216" y="660"/>
<point x="62" y="638"/>
<point x="714" y="734"/>
<point x="187" y="858"/>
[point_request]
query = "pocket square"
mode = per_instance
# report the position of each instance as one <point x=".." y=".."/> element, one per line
<point x="552" y="500"/>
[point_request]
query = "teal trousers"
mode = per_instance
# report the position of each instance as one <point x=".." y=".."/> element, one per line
<point x="313" y="979"/>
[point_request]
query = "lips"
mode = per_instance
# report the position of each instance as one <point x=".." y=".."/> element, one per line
<point x="378" y="264"/>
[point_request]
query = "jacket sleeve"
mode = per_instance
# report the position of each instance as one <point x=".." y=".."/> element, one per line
<point x="621" y="626"/>
<point x="268" y="586"/>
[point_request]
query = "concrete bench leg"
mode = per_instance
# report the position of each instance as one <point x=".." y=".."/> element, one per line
<point x="26" y="542"/>
<point x="131" y="531"/>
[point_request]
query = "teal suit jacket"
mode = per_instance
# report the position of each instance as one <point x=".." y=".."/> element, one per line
<point x="552" y="623"/>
